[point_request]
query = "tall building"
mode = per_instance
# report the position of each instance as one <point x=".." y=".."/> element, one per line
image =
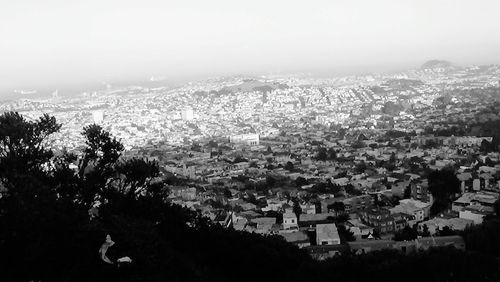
<point x="187" y="114"/>
<point x="98" y="116"/>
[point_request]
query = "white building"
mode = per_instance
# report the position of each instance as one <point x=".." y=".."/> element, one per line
<point x="476" y="184"/>
<point x="187" y="114"/>
<point x="327" y="234"/>
<point x="476" y="216"/>
<point x="247" y="139"/>
<point x="98" y="116"/>
<point x="416" y="208"/>
<point x="290" y="221"/>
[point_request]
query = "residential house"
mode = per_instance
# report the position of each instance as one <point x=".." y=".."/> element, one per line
<point x="327" y="234"/>
<point x="262" y="225"/>
<point x="290" y="221"/>
<point x="398" y="188"/>
<point x="475" y="213"/>
<point x="437" y="223"/>
<point x="420" y="191"/>
<point x="356" y="204"/>
<point x="184" y="193"/>
<point x="418" y="209"/>
<point x="401" y="220"/>
<point x="311" y="220"/>
<point x="359" y="229"/>
<point x="298" y="238"/>
<point x="378" y="218"/>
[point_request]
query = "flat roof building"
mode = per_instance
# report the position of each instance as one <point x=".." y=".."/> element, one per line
<point x="327" y="234"/>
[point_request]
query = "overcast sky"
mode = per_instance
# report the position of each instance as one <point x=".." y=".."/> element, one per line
<point x="72" y="40"/>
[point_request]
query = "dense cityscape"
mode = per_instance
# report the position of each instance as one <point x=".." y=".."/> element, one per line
<point x="223" y="141"/>
<point x="402" y="161"/>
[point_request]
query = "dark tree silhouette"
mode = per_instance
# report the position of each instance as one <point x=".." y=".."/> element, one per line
<point x="322" y="154"/>
<point x="22" y="145"/>
<point x="485" y="146"/>
<point x="297" y="210"/>
<point x="301" y="181"/>
<point x="425" y="231"/>
<point x="228" y="193"/>
<point x="443" y="185"/>
<point x="338" y="207"/>
<point x="345" y="234"/>
<point x="289" y="166"/>
<point x="269" y="150"/>
<point x="496" y="206"/>
<point x="407" y="192"/>
<point x="270" y="181"/>
<point x="349" y="188"/>
<point x="332" y="154"/>
<point x="406" y="234"/>
<point x="136" y="175"/>
<point x="446" y="231"/>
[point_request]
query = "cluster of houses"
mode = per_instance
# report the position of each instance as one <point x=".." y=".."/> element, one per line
<point x="283" y="187"/>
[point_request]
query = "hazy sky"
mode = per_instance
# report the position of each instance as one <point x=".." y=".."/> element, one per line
<point x="72" y="40"/>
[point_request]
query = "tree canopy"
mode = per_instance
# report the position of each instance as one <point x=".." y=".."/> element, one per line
<point x="443" y="185"/>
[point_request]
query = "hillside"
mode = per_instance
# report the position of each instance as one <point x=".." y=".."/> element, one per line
<point x="434" y="64"/>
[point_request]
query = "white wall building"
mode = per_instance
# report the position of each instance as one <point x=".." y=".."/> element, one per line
<point x="327" y="234"/>
<point x="474" y="216"/>
<point x="290" y="221"/>
<point x="187" y="114"/>
<point x="247" y="139"/>
<point x="98" y="116"/>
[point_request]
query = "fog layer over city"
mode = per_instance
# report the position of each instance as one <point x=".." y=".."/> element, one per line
<point x="55" y="42"/>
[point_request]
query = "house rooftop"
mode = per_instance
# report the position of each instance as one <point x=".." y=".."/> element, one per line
<point x="264" y="220"/>
<point x="295" y="237"/>
<point x="327" y="232"/>
<point x="314" y="217"/>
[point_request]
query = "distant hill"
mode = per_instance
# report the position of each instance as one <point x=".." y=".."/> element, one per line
<point x="391" y="108"/>
<point x="254" y="85"/>
<point x="247" y="85"/>
<point x="402" y="84"/>
<point x="434" y="64"/>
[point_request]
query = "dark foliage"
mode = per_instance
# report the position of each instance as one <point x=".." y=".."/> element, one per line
<point x="349" y="188"/>
<point x="345" y="234"/>
<point x="301" y="181"/>
<point x="484" y="237"/>
<point x="443" y="185"/>
<point x="338" y="207"/>
<point x="406" y="234"/>
<point x="439" y="264"/>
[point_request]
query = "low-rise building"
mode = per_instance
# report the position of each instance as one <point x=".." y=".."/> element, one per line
<point x="327" y="234"/>
<point x="298" y="238"/>
<point x="290" y="221"/>
<point x="438" y="223"/>
<point x="418" y="209"/>
<point x="378" y="218"/>
<point x="420" y="191"/>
